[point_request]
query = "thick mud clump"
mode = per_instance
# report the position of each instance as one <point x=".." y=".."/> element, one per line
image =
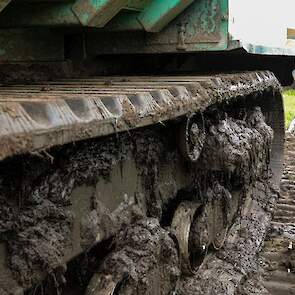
<point x="36" y="228"/>
<point x="240" y="148"/>
<point x="145" y="260"/>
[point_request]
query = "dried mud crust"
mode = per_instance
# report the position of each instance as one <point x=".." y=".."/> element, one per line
<point x="146" y="255"/>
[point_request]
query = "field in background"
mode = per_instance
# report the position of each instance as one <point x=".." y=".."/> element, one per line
<point x="289" y="102"/>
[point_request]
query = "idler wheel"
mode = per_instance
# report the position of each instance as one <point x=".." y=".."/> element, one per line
<point x="192" y="137"/>
<point x="103" y="285"/>
<point x="200" y="237"/>
<point x="203" y="227"/>
<point x="192" y="245"/>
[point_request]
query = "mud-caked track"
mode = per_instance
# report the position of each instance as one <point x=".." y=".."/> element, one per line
<point x="180" y="207"/>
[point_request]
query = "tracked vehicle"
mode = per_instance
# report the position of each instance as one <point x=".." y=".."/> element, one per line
<point x="141" y="144"/>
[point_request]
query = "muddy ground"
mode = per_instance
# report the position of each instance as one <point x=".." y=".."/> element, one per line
<point x="279" y="251"/>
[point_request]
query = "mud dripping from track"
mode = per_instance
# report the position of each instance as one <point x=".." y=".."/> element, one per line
<point x="146" y="254"/>
<point x="141" y="255"/>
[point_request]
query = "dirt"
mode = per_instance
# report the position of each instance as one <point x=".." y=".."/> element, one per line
<point x="224" y="272"/>
<point x="139" y="254"/>
<point x="36" y="205"/>
<point x="37" y="228"/>
<point x="146" y="258"/>
<point x="145" y="253"/>
<point x="230" y="147"/>
<point x="37" y="219"/>
<point x="239" y="148"/>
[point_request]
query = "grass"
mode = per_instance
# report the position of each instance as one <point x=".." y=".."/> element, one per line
<point x="289" y="102"/>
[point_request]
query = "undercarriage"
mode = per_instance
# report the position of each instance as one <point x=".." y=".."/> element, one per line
<point x="138" y="185"/>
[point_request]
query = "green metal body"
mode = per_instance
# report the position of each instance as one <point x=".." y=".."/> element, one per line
<point x="97" y="13"/>
<point x="159" y="13"/>
<point x="151" y="16"/>
<point x="112" y="26"/>
<point x="117" y="27"/>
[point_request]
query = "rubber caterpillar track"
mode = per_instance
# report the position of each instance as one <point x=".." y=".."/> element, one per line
<point x="187" y="197"/>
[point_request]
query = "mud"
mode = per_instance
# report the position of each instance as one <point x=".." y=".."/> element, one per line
<point x="36" y="214"/>
<point x="146" y="254"/>
<point x="37" y="229"/>
<point x="37" y="210"/>
<point x="223" y="272"/>
<point x="239" y="148"/>
<point x="230" y="148"/>
<point x="38" y="220"/>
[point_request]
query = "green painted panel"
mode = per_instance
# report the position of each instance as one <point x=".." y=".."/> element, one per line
<point x="124" y="21"/>
<point x="70" y="13"/>
<point x="149" y="15"/>
<point x="137" y="5"/>
<point x="97" y="13"/>
<point x="159" y="13"/>
<point x="203" y="26"/>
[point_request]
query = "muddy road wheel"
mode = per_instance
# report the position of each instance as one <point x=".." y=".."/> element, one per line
<point x="191" y="255"/>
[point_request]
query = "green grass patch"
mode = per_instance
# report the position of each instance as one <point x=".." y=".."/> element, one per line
<point x="289" y="102"/>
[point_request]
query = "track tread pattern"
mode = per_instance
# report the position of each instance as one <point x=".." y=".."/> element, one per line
<point x="37" y="117"/>
<point x="279" y="250"/>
